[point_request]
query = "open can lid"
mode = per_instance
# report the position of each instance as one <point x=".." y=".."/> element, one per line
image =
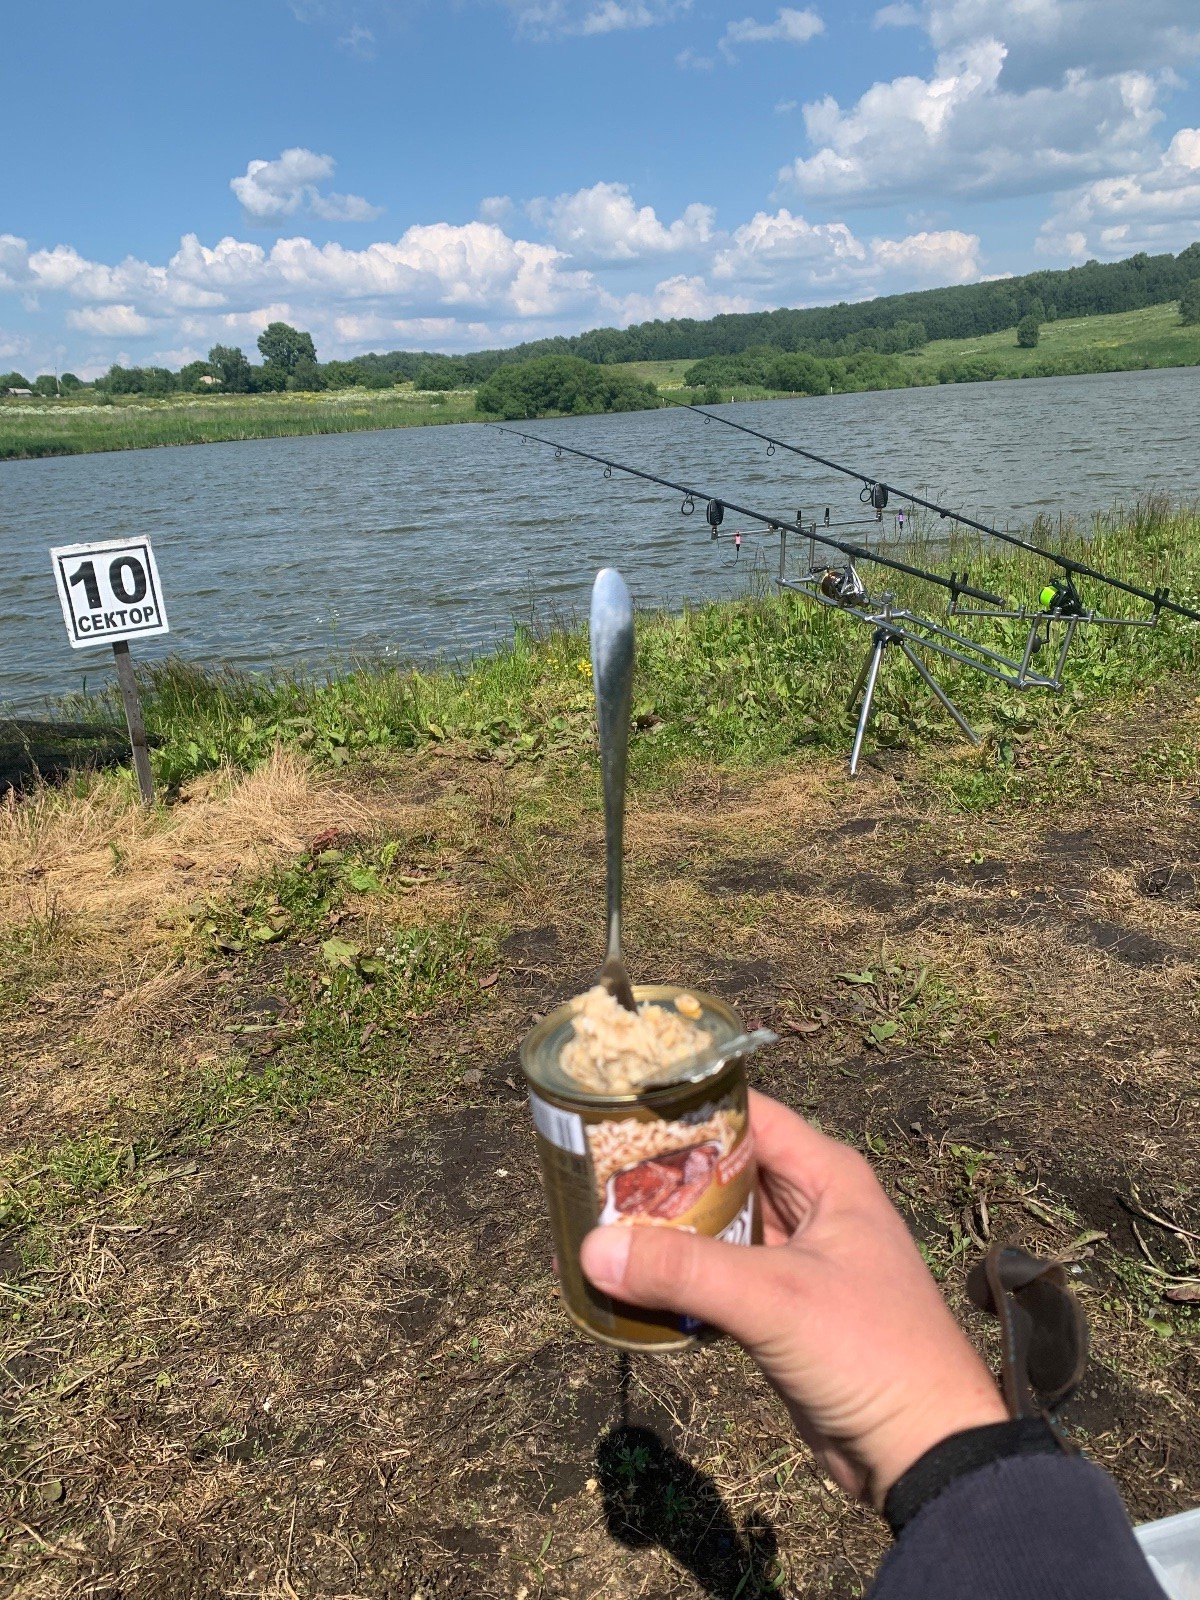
<point x="542" y="1047"/>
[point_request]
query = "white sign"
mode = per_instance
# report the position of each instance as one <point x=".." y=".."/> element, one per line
<point x="109" y="591"/>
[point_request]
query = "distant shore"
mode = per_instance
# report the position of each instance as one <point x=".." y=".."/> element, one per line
<point x="86" y="423"/>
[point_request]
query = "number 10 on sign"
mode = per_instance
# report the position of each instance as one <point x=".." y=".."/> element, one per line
<point x="110" y="593"/>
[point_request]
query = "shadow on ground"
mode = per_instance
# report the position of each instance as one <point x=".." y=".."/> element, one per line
<point x="653" y="1496"/>
<point x="33" y="751"/>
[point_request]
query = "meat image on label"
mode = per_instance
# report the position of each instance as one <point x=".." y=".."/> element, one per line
<point x="656" y="1171"/>
<point x="662" y="1186"/>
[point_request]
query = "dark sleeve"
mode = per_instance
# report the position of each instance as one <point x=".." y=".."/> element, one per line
<point x="1045" y="1527"/>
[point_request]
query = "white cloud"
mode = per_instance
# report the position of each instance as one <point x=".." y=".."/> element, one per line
<point x="604" y="224"/>
<point x="780" y="248"/>
<point x="680" y="296"/>
<point x="548" y="19"/>
<point x="900" y="15"/>
<point x="790" y="26"/>
<point x="1157" y="209"/>
<point x="343" y="208"/>
<point x="1046" y="38"/>
<point x="14" y="261"/>
<point x="496" y="208"/>
<point x="115" y="321"/>
<point x="960" y="132"/>
<point x="690" y="60"/>
<point x="784" y="108"/>
<point x="949" y="256"/>
<point x="269" y="191"/>
<point x="790" y="258"/>
<point x="359" y="42"/>
<point x="458" y="276"/>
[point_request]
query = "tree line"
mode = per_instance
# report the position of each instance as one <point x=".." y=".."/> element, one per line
<point x="880" y="327"/>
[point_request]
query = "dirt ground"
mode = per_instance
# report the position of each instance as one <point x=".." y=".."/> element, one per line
<point x="322" y="1354"/>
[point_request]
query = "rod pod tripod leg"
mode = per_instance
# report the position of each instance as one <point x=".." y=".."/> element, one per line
<point x="868" y="679"/>
<point x="865" y="685"/>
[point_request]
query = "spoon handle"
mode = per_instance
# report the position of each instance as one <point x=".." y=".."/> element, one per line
<point x="612" y="679"/>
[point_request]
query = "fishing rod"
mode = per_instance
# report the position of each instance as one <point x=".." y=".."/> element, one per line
<point x="1067" y="601"/>
<point x="956" y="585"/>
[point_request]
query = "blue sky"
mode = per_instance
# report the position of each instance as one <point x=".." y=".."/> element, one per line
<point x="451" y="174"/>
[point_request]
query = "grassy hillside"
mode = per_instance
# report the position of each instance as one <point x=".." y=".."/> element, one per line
<point x="1127" y="340"/>
<point x="1154" y="337"/>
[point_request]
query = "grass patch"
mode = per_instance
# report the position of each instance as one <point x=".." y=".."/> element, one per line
<point x="32" y="953"/>
<point x="32" y="428"/>
<point x="40" y="1185"/>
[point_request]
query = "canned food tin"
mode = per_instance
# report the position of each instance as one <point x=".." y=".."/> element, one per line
<point x="679" y="1155"/>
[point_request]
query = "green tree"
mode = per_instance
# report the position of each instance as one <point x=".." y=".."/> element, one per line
<point x="440" y="372"/>
<point x="281" y="345"/>
<point x="798" y="374"/>
<point x="189" y="377"/>
<point x="306" y="375"/>
<point x="560" y="384"/>
<point x="67" y="384"/>
<point x="45" y="384"/>
<point x="13" y="380"/>
<point x="1028" y="331"/>
<point x="229" y="363"/>
<point x="270" y="378"/>
<point x="1189" y="303"/>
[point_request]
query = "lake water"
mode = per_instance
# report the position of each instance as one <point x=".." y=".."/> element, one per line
<point x="429" y="543"/>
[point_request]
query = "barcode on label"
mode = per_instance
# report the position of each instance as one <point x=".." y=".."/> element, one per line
<point x="561" y="1128"/>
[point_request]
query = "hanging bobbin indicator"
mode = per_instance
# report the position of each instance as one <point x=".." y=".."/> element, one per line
<point x="875" y="495"/>
<point x="714" y="513"/>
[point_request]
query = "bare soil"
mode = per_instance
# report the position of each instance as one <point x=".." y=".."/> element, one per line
<point x="324" y="1356"/>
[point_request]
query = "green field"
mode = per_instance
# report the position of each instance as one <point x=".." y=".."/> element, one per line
<point x="1125" y="341"/>
<point x="135" y="422"/>
<point x="666" y="374"/>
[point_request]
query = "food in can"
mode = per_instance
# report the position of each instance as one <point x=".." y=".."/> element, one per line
<point x="644" y="1154"/>
<point x="614" y="1051"/>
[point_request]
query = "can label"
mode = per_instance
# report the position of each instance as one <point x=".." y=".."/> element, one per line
<point x="693" y="1170"/>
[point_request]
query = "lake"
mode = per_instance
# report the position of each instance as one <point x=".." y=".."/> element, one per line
<point x="429" y="543"/>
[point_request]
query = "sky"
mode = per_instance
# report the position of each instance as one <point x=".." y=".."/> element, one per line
<point x="461" y="174"/>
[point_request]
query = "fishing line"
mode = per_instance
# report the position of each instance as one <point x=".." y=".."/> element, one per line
<point x="876" y="493"/>
<point x="958" y="586"/>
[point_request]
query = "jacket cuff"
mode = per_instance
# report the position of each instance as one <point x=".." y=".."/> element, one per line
<point x="961" y="1454"/>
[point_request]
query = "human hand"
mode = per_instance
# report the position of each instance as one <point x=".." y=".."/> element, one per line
<point x="837" y="1307"/>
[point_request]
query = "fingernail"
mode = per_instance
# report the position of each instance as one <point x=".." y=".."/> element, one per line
<point x="604" y="1256"/>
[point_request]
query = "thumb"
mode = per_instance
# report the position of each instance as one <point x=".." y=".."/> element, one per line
<point x="744" y="1290"/>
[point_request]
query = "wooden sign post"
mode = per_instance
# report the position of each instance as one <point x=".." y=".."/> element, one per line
<point x="110" y="593"/>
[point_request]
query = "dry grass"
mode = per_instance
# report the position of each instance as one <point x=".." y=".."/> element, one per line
<point x="325" y="1350"/>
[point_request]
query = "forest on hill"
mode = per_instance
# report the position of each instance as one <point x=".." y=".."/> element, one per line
<point x="887" y="326"/>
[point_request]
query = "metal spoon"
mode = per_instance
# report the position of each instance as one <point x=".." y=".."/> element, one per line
<point x="612" y="679"/>
<point x="708" y="1061"/>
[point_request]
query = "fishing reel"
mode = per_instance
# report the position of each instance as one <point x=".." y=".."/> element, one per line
<point x="843" y="586"/>
<point x="1061" y="598"/>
